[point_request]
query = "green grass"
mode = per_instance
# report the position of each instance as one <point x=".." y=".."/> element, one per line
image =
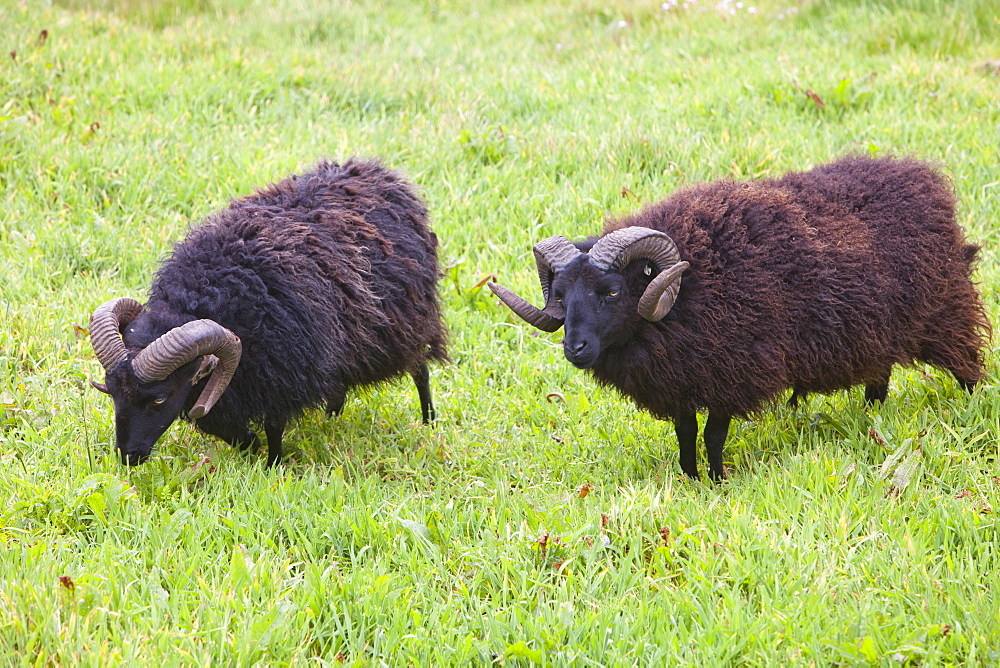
<point x="844" y="537"/>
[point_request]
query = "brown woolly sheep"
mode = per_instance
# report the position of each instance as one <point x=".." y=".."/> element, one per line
<point x="726" y="294"/>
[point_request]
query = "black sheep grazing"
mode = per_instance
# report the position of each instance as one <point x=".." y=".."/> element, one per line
<point x="727" y="294"/>
<point x="289" y="297"/>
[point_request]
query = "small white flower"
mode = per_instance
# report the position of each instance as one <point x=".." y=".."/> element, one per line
<point x="739" y="5"/>
<point x="559" y="47"/>
<point x="751" y="10"/>
<point x="793" y="10"/>
<point x="780" y="16"/>
<point x="623" y="24"/>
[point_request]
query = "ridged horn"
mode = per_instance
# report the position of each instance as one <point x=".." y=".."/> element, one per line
<point x="616" y="249"/>
<point x="181" y="345"/>
<point x="551" y="255"/>
<point x="661" y="293"/>
<point x="106" y="329"/>
<point x="535" y="317"/>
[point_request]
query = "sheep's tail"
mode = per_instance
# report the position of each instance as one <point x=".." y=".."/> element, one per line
<point x="969" y="253"/>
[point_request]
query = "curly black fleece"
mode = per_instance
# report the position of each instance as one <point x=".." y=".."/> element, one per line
<point x="816" y="281"/>
<point x="328" y="278"/>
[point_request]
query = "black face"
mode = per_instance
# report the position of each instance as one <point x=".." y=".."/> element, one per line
<point x="143" y="411"/>
<point x="600" y="307"/>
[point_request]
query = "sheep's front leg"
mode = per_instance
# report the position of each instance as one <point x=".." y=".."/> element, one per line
<point x="686" y="428"/>
<point x="716" y="431"/>
<point x="274" y="429"/>
<point x="422" y="379"/>
<point x="877" y="391"/>
<point x="237" y="436"/>
<point x="797" y="396"/>
<point x="335" y="403"/>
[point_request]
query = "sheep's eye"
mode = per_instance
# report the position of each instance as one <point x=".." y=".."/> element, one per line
<point x="159" y="400"/>
<point x="613" y="293"/>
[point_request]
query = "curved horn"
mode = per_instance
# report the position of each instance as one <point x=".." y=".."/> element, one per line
<point x="106" y="329"/>
<point x="100" y="387"/>
<point x="181" y="345"/>
<point x="661" y="293"/>
<point x="551" y="255"/>
<point x="616" y="249"/>
<point x="536" y="317"/>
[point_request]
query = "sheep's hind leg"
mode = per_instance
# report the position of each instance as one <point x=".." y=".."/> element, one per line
<point x="797" y="396"/>
<point x="335" y="404"/>
<point x="716" y="432"/>
<point x="877" y="391"/>
<point x="422" y="379"/>
<point x="966" y="380"/>
<point x="963" y="360"/>
<point x="274" y="431"/>
<point x="686" y="429"/>
<point x="968" y="385"/>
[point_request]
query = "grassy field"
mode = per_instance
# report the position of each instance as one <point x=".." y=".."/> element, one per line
<point x="542" y="520"/>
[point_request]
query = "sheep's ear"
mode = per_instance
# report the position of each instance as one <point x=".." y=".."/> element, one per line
<point x="661" y="293"/>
